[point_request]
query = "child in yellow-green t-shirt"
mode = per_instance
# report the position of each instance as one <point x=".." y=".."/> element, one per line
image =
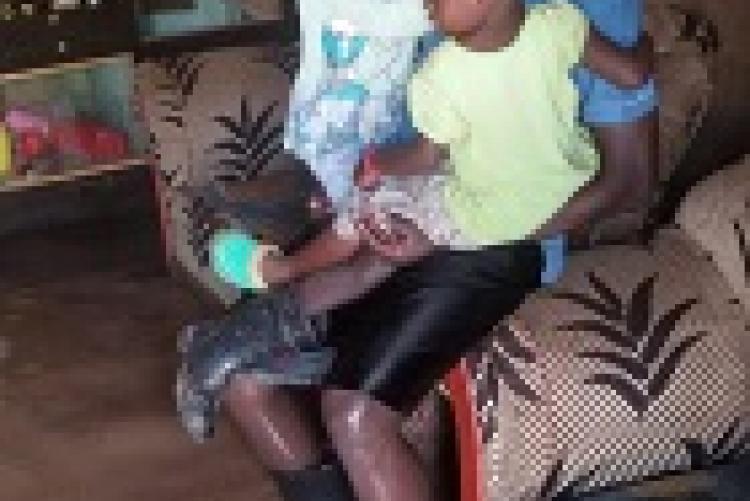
<point x="501" y="150"/>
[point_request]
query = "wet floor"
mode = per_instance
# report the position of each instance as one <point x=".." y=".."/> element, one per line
<point x="88" y="319"/>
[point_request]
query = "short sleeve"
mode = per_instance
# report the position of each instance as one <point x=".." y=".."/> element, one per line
<point x="432" y="113"/>
<point x="568" y="27"/>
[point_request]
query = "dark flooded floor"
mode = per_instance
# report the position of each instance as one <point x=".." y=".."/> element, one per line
<point x="88" y="319"/>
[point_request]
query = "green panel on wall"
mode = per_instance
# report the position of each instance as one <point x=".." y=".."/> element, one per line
<point x="205" y="14"/>
<point x="112" y="91"/>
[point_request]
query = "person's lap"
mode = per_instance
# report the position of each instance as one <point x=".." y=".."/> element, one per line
<point x="401" y="336"/>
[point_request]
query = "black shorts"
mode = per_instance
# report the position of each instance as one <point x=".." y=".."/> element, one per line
<point x="396" y="341"/>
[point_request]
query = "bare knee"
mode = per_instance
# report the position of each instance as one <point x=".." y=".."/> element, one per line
<point x="356" y="414"/>
<point x="367" y="437"/>
<point x="271" y="423"/>
<point x="245" y="394"/>
<point x="630" y="149"/>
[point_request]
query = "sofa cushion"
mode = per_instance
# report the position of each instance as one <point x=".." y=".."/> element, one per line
<point x="570" y="402"/>
<point x="716" y="216"/>
<point x="215" y="119"/>
<point x="235" y="115"/>
<point x="684" y="63"/>
<point x="226" y="105"/>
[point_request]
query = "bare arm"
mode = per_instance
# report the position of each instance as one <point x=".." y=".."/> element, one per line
<point x="594" y="200"/>
<point x="420" y="156"/>
<point x="626" y="68"/>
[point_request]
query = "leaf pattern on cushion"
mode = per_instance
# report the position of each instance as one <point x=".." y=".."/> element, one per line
<point x="251" y="142"/>
<point x="640" y="377"/>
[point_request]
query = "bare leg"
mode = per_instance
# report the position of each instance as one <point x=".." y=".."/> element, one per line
<point x="286" y="443"/>
<point x="271" y="424"/>
<point x="324" y="251"/>
<point x="367" y="436"/>
<point x="327" y="289"/>
<point x="381" y="253"/>
<point x="632" y="149"/>
<point x="336" y="269"/>
<point x="267" y="417"/>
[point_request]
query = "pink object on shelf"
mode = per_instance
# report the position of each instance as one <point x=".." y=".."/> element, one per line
<point x="20" y="120"/>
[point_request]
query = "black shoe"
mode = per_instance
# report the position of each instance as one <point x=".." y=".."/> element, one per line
<point x="325" y="482"/>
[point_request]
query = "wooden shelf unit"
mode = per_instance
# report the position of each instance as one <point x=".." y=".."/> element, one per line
<point x="15" y="183"/>
<point x="62" y="67"/>
<point x="21" y="183"/>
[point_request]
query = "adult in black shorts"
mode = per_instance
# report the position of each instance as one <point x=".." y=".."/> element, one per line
<point x="392" y="344"/>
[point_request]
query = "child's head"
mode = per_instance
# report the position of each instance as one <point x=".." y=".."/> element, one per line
<point x="460" y="17"/>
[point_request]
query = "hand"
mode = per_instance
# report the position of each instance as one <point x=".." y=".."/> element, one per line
<point x="366" y="175"/>
<point x="395" y="238"/>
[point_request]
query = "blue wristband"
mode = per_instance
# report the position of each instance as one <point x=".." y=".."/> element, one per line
<point x="231" y="252"/>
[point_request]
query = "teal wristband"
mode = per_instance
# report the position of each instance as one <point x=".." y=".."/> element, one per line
<point x="231" y="252"/>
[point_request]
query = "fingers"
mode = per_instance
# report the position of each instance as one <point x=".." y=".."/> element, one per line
<point x="367" y="175"/>
<point x="394" y="238"/>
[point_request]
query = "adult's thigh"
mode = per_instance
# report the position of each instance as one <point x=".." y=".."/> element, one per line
<point x="396" y="341"/>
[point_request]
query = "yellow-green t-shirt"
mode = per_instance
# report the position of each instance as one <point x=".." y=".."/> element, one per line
<point x="510" y="120"/>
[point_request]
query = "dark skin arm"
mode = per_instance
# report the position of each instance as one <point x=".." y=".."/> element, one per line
<point x="623" y="185"/>
<point x="625" y="68"/>
<point x="595" y="198"/>
<point x="420" y="156"/>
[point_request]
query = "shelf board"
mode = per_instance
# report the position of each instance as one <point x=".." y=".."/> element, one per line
<point x="15" y="184"/>
<point x="255" y="34"/>
<point x="62" y="67"/>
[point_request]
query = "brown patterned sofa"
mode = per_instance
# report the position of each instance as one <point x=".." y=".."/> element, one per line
<point x="630" y="377"/>
<point x="634" y="366"/>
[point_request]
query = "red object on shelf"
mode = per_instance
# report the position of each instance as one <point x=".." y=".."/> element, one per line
<point x="91" y="140"/>
<point x="110" y="144"/>
<point x="31" y="144"/>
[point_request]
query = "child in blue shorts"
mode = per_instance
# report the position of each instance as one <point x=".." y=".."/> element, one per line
<point x="623" y="120"/>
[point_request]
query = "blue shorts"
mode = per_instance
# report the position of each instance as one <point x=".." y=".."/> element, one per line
<point x="601" y="102"/>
